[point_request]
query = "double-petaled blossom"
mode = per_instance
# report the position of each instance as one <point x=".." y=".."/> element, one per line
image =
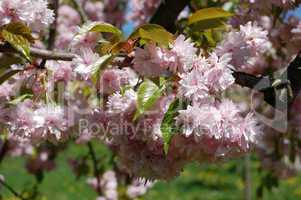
<point x="112" y="80"/>
<point x="84" y="62"/>
<point x="107" y="183"/>
<point x="147" y="61"/>
<point x="221" y="124"/>
<point x="208" y="77"/>
<point x="38" y="123"/>
<point x="244" y="45"/>
<point x="153" y="61"/>
<point x="121" y="103"/>
<point x="143" y="10"/>
<point x="34" y="13"/>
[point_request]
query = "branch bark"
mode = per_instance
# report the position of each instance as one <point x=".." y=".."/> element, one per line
<point x="41" y="53"/>
<point x="96" y="171"/>
<point x="168" y="12"/>
<point x="12" y="190"/>
<point x="79" y="8"/>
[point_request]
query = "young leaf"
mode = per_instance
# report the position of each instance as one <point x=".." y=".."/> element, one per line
<point x="208" y="18"/>
<point x="20" y="29"/>
<point x="153" y="32"/>
<point x="7" y="74"/>
<point x="148" y="94"/>
<point x="20" y="99"/>
<point x="208" y="14"/>
<point x="99" y="27"/>
<point x="168" y="128"/>
<point x="99" y="65"/>
<point x="19" y="36"/>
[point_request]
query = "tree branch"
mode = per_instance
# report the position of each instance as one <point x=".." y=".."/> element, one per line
<point x="41" y="53"/>
<point x="52" y="31"/>
<point x="12" y="190"/>
<point x="168" y="12"/>
<point x="79" y="8"/>
<point x="95" y="167"/>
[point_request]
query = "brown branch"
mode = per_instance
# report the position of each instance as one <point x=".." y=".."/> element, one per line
<point x="289" y="79"/>
<point x="4" y="149"/>
<point x="96" y="171"/>
<point x="41" y="53"/>
<point x="52" y="30"/>
<point x="77" y="5"/>
<point x="168" y="12"/>
<point x="11" y="189"/>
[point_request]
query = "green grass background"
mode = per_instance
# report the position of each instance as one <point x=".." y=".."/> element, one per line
<point x="197" y="182"/>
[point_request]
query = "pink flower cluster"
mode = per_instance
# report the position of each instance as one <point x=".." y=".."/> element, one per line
<point x="35" y="13"/>
<point x="142" y="10"/>
<point x="109" y="183"/>
<point x="245" y="46"/>
<point x="153" y="61"/>
<point x="35" y="123"/>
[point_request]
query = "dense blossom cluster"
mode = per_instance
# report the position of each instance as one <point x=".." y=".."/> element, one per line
<point x="35" y="13"/>
<point x="126" y="100"/>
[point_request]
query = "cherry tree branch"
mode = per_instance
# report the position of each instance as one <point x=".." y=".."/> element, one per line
<point x="52" y="31"/>
<point x="11" y="189"/>
<point x="41" y="53"/>
<point x="77" y="5"/>
<point x="168" y="12"/>
<point x="95" y="167"/>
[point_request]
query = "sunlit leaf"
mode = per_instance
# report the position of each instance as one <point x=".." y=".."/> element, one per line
<point x="99" y="65"/>
<point x="20" y="99"/>
<point x="99" y="27"/>
<point x="19" y="36"/>
<point x="208" y="18"/>
<point x="208" y="14"/>
<point x="168" y="127"/>
<point x="153" y="32"/>
<point x="148" y="94"/>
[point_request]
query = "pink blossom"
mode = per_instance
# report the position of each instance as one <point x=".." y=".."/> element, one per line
<point x="32" y="12"/>
<point x="147" y="61"/>
<point x="113" y="80"/>
<point x="118" y="103"/>
<point x="251" y="41"/>
<point x="143" y="10"/>
<point x="83" y="63"/>
<point x="62" y="71"/>
<point x="185" y="52"/>
<point x="138" y="188"/>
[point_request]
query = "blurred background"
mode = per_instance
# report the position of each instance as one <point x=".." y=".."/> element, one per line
<point x="223" y="181"/>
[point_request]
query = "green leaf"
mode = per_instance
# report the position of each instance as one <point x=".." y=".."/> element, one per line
<point x="19" y="36"/>
<point x="100" y="64"/>
<point x="168" y="128"/>
<point x="99" y="27"/>
<point x="7" y="74"/>
<point x="148" y="94"/>
<point x="208" y="14"/>
<point x="209" y="36"/>
<point x="20" y="99"/>
<point x="208" y="18"/>
<point x="153" y="32"/>
<point x="20" y="29"/>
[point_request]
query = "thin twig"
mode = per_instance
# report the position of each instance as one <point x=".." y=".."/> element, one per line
<point x="41" y="53"/>
<point x="168" y="12"/>
<point x="52" y="31"/>
<point x="95" y="167"/>
<point x="77" y="5"/>
<point x="4" y="149"/>
<point x="12" y="190"/>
